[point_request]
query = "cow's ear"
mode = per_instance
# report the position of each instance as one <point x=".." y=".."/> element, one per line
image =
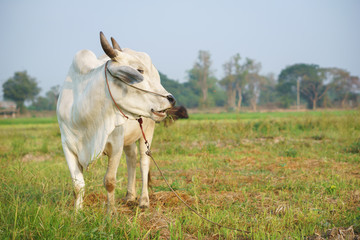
<point x="127" y="74"/>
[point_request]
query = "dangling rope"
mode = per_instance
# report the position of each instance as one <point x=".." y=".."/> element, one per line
<point x="148" y="152"/>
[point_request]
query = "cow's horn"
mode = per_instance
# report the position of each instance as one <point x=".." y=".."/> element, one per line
<point x="106" y="46"/>
<point x="115" y="44"/>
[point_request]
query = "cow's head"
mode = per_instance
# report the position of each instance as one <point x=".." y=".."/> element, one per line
<point x="135" y="68"/>
<point x="178" y="112"/>
<point x="181" y="112"/>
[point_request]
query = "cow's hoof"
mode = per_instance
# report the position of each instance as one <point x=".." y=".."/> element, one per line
<point x="144" y="202"/>
<point x="129" y="198"/>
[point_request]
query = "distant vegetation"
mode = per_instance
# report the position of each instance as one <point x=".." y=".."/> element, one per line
<point x="297" y="86"/>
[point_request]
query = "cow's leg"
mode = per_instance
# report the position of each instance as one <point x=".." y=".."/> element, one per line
<point x="113" y="150"/>
<point x="76" y="171"/>
<point x="145" y="165"/>
<point x="131" y="157"/>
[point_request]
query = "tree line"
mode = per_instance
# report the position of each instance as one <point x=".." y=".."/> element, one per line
<point x="242" y="85"/>
<point x="297" y="85"/>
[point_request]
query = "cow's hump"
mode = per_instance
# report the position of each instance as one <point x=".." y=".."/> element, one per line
<point x="85" y="61"/>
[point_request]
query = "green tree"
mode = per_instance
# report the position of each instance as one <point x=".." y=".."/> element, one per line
<point x="40" y="104"/>
<point x="312" y="86"/>
<point x="191" y="92"/>
<point x="287" y="84"/>
<point x="20" y="88"/>
<point x="188" y="93"/>
<point x="216" y="95"/>
<point x="268" y="96"/>
<point x="52" y="95"/>
<point x="182" y="92"/>
<point x="48" y="102"/>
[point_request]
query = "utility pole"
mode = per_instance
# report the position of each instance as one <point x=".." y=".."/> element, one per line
<point x="298" y="94"/>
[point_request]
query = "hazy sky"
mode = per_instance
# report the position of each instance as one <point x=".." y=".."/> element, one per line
<point x="43" y="36"/>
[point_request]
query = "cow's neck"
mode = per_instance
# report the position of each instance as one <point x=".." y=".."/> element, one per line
<point x="94" y="102"/>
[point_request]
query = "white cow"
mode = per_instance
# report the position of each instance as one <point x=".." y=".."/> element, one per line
<point x="92" y="111"/>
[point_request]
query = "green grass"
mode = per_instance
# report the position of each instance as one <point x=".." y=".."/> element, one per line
<point x="264" y="115"/>
<point x="26" y="121"/>
<point x="277" y="175"/>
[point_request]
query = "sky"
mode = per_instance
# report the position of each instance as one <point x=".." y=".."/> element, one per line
<point x="42" y="36"/>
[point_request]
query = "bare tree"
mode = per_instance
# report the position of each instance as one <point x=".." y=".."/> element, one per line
<point x="253" y="80"/>
<point x="344" y="84"/>
<point x="53" y="94"/>
<point x="202" y="70"/>
<point x="229" y="82"/>
<point x="240" y="79"/>
<point x="234" y="80"/>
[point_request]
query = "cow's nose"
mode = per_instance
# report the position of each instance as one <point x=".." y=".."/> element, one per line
<point x="171" y="99"/>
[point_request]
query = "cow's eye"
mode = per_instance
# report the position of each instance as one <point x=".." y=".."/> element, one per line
<point x="141" y="71"/>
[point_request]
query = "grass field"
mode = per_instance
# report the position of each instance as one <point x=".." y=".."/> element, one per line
<point x="276" y="175"/>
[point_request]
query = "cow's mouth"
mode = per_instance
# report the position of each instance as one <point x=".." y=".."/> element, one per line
<point x="161" y="113"/>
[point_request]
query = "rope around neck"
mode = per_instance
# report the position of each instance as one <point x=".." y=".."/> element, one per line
<point x="107" y="83"/>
